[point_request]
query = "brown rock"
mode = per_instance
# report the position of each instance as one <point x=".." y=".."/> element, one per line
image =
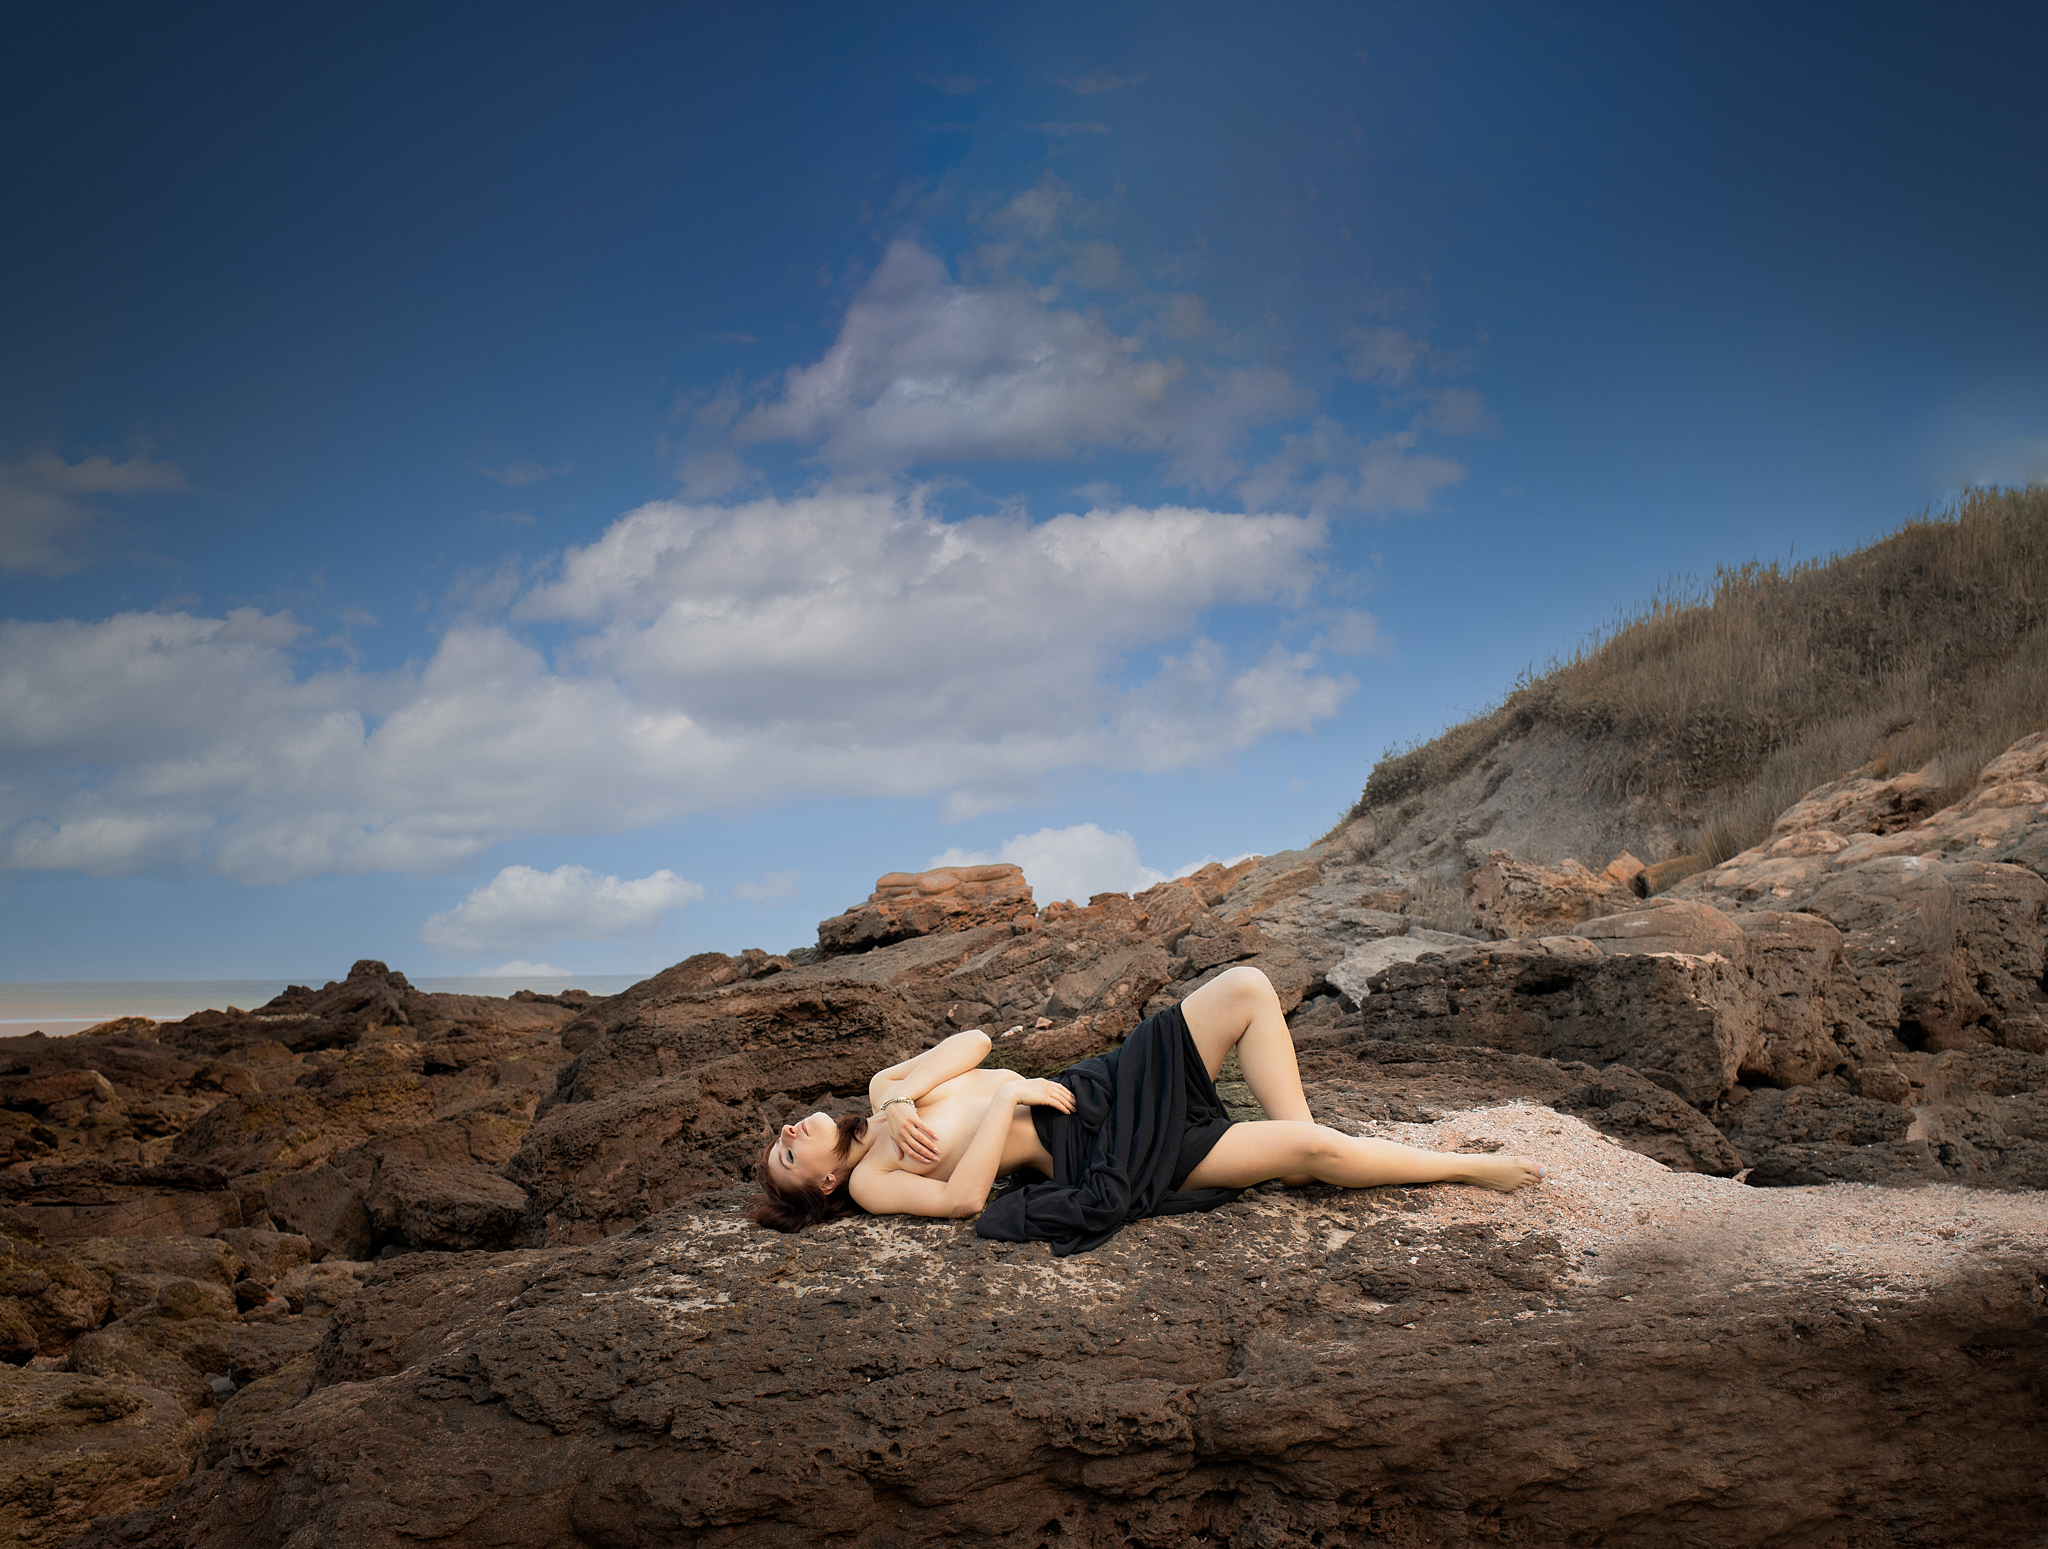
<point x="1667" y="925"/>
<point x="435" y="1186"/>
<point x="48" y="1297"/>
<point x="136" y="1271"/>
<point x="669" y="1101"/>
<point x="80" y="1447"/>
<point x="116" y="1199"/>
<point x="1685" y="1021"/>
<point x="186" y="1345"/>
<point x="1356" y="1365"/>
<point x="1509" y="898"/>
<point x="267" y="1256"/>
<point x="906" y="904"/>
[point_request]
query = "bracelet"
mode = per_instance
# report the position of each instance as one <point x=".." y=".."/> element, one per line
<point x="911" y="1100"/>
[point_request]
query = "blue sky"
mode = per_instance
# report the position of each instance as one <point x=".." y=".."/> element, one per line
<point x="577" y="486"/>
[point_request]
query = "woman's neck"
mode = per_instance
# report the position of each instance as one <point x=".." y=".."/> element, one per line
<point x="862" y="1145"/>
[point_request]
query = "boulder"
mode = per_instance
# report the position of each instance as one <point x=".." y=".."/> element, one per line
<point x="1687" y="1022"/>
<point x="79" y="1447"/>
<point x="1511" y="898"/>
<point x="97" y="1198"/>
<point x="267" y="1256"/>
<point x="1353" y="972"/>
<point x="1352" y="1079"/>
<point x="436" y="1186"/>
<point x="186" y="1344"/>
<point x="906" y="904"/>
<point x="48" y="1297"/>
<point x="319" y="1290"/>
<point x="137" y="1270"/>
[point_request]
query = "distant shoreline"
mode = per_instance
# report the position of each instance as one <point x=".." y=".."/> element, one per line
<point x="60" y="1007"/>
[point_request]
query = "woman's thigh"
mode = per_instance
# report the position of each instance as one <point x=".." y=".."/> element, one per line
<point x="1220" y="1011"/>
<point x="1251" y="1153"/>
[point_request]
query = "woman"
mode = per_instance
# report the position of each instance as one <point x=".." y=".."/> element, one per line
<point x="1136" y="1132"/>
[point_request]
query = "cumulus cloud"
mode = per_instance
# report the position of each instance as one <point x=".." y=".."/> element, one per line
<point x="524" y="908"/>
<point x="927" y="369"/>
<point x="1072" y="863"/>
<point x="45" y="505"/>
<point x="837" y="644"/>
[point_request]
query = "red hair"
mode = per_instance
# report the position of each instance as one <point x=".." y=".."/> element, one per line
<point x="790" y="1207"/>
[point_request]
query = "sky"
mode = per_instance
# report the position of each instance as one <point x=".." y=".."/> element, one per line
<point x="553" y="489"/>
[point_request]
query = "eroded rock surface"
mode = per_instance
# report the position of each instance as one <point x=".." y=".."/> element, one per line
<point x="1626" y="1356"/>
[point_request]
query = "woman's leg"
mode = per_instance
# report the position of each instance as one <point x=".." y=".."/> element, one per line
<point x="1252" y="1153"/>
<point x="1238" y="1010"/>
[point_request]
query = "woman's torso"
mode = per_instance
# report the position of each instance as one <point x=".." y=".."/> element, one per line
<point x="954" y="1110"/>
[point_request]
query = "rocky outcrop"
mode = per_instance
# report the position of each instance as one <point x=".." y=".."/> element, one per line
<point x="1509" y="897"/>
<point x="1625" y="1356"/>
<point x="144" y="1287"/>
<point x="79" y="1447"/>
<point x="906" y="904"/>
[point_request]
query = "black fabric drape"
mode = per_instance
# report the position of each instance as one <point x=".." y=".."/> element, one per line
<point x="1144" y="1115"/>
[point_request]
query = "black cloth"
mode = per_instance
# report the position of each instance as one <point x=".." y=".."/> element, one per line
<point x="1145" y="1114"/>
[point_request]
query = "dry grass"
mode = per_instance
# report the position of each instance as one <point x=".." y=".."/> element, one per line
<point x="1928" y="649"/>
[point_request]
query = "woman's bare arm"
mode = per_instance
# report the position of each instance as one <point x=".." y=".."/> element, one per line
<point x="902" y="1193"/>
<point x="915" y="1077"/>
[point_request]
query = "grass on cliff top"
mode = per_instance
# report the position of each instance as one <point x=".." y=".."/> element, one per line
<point x="1926" y="650"/>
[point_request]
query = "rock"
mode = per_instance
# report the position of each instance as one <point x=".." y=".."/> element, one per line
<point x="115" y="1199"/>
<point x="1686" y="1022"/>
<point x="137" y="1271"/>
<point x="436" y="1186"/>
<point x="1435" y="1364"/>
<point x="1859" y="805"/>
<point x="48" y="1297"/>
<point x="1351" y="1078"/>
<point x="1806" y="1136"/>
<point x="187" y="1344"/>
<point x="317" y="1290"/>
<point x="670" y="1102"/>
<point x="1349" y="977"/>
<point x="267" y="1256"/>
<point x="1667" y="925"/>
<point x="1510" y="898"/>
<point x="80" y="1447"/>
<point x="906" y="904"/>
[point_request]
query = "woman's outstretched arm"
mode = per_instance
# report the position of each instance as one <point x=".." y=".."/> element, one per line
<point x="894" y="1192"/>
<point x="942" y="1062"/>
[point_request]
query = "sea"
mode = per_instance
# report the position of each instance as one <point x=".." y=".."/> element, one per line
<point x="60" y="1007"/>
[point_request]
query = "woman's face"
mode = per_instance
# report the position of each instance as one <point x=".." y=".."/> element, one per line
<point x="805" y="1151"/>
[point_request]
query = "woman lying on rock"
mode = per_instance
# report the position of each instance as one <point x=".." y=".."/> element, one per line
<point x="1136" y="1132"/>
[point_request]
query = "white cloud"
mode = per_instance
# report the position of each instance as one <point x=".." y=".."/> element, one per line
<point x="1329" y="473"/>
<point x="519" y="968"/>
<point x="772" y="888"/>
<point x="1072" y="863"/>
<point x="522" y="907"/>
<point x="926" y="369"/>
<point x="839" y="644"/>
<point x="42" y="512"/>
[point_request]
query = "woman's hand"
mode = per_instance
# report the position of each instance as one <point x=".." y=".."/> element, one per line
<point x="1042" y="1094"/>
<point x="917" y="1140"/>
